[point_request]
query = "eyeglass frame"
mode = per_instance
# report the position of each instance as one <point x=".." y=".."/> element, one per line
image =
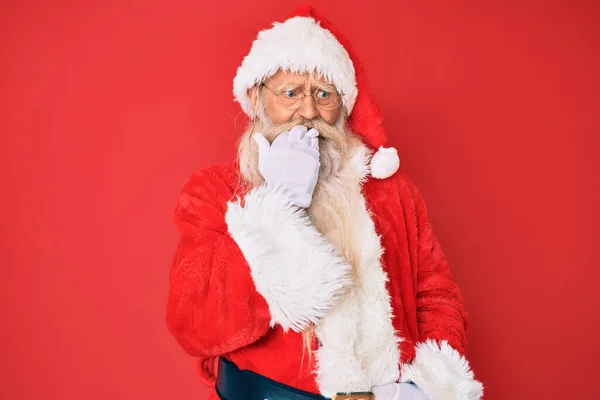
<point x="339" y="93"/>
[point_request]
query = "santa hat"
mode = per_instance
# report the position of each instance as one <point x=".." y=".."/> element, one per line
<point x="307" y="42"/>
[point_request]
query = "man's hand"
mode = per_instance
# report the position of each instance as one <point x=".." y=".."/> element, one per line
<point x="398" y="391"/>
<point x="291" y="161"/>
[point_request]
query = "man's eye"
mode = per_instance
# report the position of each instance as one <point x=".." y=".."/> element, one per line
<point x="322" y="94"/>
<point x="289" y="94"/>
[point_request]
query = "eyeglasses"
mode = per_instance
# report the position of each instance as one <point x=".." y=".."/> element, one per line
<point x="291" y="96"/>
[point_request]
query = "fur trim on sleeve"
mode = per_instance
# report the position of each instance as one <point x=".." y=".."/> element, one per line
<point x="442" y="373"/>
<point x="294" y="268"/>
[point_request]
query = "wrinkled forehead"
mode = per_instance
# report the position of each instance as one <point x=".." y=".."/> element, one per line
<point x="307" y="79"/>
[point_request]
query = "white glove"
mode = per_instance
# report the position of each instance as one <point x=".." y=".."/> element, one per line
<point x="398" y="391"/>
<point x="291" y="161"/>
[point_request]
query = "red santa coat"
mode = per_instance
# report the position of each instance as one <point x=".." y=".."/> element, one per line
<point x="248" y="276"/>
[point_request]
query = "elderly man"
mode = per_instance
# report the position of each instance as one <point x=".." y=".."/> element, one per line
<point x="308" y="269"/>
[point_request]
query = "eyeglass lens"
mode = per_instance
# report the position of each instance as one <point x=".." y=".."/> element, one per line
<point x="326" y="96"/>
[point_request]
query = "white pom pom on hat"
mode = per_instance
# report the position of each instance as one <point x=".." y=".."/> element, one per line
<point x="308" y="42"/>
<point x="385" y="163"/>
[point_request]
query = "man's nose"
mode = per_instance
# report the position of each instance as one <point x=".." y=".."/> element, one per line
<point x="308" y="108"/>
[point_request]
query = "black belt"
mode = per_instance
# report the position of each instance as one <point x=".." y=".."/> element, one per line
<point x="237" y="384"/>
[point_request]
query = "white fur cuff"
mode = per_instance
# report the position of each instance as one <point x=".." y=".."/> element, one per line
<point x="442" y="373"/>
<point x="293" y="266"/>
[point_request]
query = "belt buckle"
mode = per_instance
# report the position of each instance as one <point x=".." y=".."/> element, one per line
<point x="354" y="396"/>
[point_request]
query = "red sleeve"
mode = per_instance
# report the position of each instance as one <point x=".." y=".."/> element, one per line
<point x="441" y="314"/>
<point x="439" y="368"/>
<point x="213" y="306"/>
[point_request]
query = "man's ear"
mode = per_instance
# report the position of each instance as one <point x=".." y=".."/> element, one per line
<point x="253" y="95"/>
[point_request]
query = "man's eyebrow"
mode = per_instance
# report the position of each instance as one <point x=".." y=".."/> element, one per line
<point x="292" y="83"/>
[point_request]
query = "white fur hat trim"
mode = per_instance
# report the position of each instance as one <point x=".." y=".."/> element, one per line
<point x="297" y="45"/>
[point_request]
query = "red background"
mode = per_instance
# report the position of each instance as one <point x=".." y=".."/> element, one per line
<point x="107" y="107"/>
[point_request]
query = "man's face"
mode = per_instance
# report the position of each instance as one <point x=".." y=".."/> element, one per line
<point x="337" y="143"/>
<point x="308" y="84"/>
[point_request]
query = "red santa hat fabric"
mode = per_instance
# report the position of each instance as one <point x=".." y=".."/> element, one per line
<point x="308" y="42"/>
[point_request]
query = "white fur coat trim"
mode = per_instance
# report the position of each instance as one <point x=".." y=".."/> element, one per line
<point x="294" y="268"/>
<point x="442" y="373"/>
<point x="297" y="45"/>
<point x="359" y="345"/>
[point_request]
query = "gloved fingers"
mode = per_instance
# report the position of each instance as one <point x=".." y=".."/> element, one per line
<point x="386" y="392"/>
<point x="298" y="132"/>
<point x="311" y="139"/>
<point x="281" y="139"/>
<point x="312" y="133"/>
<point x="408" y="391"/>
<point x="262" y="142"/>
